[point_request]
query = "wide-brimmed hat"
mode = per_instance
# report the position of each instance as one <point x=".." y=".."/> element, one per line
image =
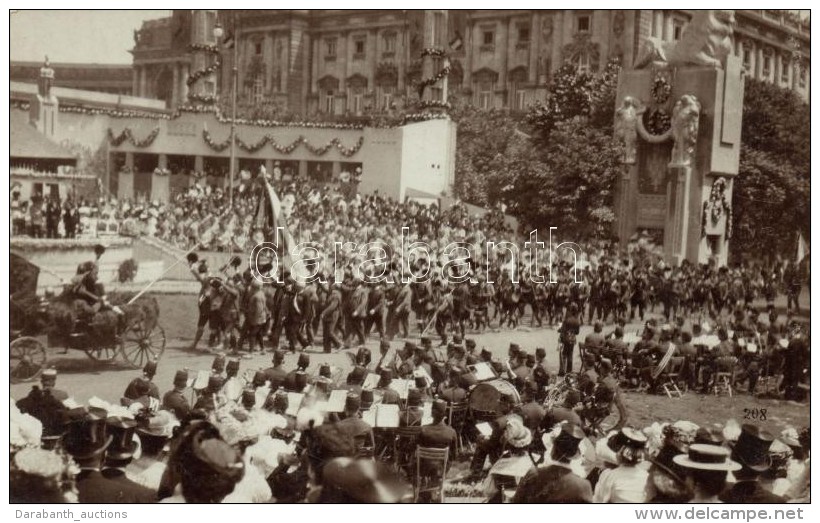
<point x="85" y="435"/>
<point x="516" y="434"/>
<point x="709" y="436"/>
<point x="568" y="441"/>
<point x="707" y="457"/>
<point x="364" y="480"/>
<point x="122" y="432"/>
<point x="752" y="448"/>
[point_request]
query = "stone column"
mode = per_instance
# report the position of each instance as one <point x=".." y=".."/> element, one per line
<point x="269" y="166"/>
<point x="778" y="68"/>
<point x="557" y="41"/>
<point x="759" y="67"/>
<point x="337" y="170"/>
<point x="125" y="187"/>
<point x="677" y="217"/>
<point x="535" y="47"/>
<point x="657" y="25"/>
<point x="199" y="166"/>
<point x="752" y="59"/>
<point x="135" y="81"/>
<point x="175" y="102"/>
<point x="303" y="170"/>
<point x="668" y="26"/>
<point x="467" y="81"/>
<point x="161" y="183"/>
<point x="144" y="82"/>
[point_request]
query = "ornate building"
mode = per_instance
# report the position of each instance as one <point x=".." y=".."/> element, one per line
<point x="364" y="61"/>
<point x="104" y="78"/>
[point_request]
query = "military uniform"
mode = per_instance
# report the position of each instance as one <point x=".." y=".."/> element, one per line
<point x="176" y="402"/>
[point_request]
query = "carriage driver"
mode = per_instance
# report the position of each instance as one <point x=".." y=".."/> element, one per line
<point x="88" y="293"/>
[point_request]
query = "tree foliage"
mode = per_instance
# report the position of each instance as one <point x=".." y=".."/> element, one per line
<point x="771" y="195"/>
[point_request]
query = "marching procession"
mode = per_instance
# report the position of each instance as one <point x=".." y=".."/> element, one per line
<point x="521" y="428"/>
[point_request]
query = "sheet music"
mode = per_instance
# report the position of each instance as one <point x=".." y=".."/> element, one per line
<point x="485" y="429"/>
<point x="427" y="413"/>
<point x="387" y="416"/>
<point x="401" y="386"/>
<point x="369" y="416"/>
<point x="421" y="372"/>
<point x="201" y="380"/>
<point x="371" y="381"/>
<point x="294" y="403"/>
<point x="483" y="371"/>
<point x="336" y="401"/>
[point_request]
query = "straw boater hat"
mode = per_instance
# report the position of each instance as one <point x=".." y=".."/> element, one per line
<point x="707" y="457"/>
<point x="516" y="434"/>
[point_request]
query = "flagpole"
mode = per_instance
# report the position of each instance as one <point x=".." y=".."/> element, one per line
<point x="234" y="77"/>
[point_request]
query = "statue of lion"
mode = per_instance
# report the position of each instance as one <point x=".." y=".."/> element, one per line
<point x="707" y="40"/>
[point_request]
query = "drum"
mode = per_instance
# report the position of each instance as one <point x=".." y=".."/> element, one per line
<point x="485" y="398"/>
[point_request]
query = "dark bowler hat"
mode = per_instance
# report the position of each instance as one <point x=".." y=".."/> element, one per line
<point x="367" y="399"/>
<point x="414" y="398"/>
<point x="150" y="368"/>
<point x="540" y="353"/>
<point x="568" y="440"/>
<point x="219" y="364"/>
<point x="470" y="343"/>
<point x="752" y="448"/>
<point x="386" y="375"/>
<point x="304" y="361"/>
<point x="181" y="378"/>
<point x="85" y="435"/>
<point x="278" y="356"/>
<point x="514" y="348"/>
<point x="232" y="368"/>
<point x="707" y="457"/>
<point x="122" y="433"/>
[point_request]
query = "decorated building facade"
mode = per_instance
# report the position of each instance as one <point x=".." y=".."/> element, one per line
<point x="356" y="62"/>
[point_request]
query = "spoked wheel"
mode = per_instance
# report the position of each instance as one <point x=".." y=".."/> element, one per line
<point x="27" y="358"/>
<point x="139" y="346"/>
<point x="102" y="354"/>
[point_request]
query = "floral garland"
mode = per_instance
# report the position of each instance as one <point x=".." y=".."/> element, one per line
<point x="661" y="89"/>
<point x="284" y="149"/>
<point x="203" y="98"/>
<point x="55" y="176"/>
<point x="19" y="104"/>
<point x="433" y="51"/>
<point x="715" y="207"/>
<point x="429" y="104"/>
<point x="445" y="71"/>
<point x="161" y="172"/>
<point x="197" y="75"/>
<point x="126" y="170"/>
<point x="218" y="147"/>
<point x="658" y="121"/>
<point x="114" y="113"/>
<point x="127" y="134"/>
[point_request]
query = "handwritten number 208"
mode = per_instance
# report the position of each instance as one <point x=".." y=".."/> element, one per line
<point x="755" y="413"/>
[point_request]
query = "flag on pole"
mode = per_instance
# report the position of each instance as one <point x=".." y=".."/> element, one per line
<point x="802" y="248"/>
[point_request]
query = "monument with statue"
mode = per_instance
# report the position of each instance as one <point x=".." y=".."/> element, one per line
<point x="678" y="116"/>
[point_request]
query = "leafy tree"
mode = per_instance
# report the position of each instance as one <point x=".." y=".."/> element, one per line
<point x="771" y="194"/>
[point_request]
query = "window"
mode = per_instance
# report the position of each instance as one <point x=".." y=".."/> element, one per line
<point x="517" y="97"/>
<point x="358" y="46"/>
<point x="439" y="29"/>
<point x="489" y="38"/>
<point x="357" y="101"/>
<point x="386" y="97"/>
<point x="583" y="23"/>
<point x="747" y="57"/>
<point x="583" y="62"/>
<point x="258" y="89"/>
<point x="390" y="43"/>
<point x="257" y="48"/>
<point x="523" y="34"/>
<point x="329" y="98"/>
<point x="803" y="78"/>
<point x="784" y="71"/>
<point x="484" y="94"/>
<point x="767" y="65"/>
<point x="677" y="31"/>
<point x="330" y="48"/>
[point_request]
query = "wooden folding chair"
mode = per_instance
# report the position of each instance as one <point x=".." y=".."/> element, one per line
<point x="724" y="375"/>
<point x="432" y="478"/>
<point x="671" y="376"/>
<point x="404" y="445"/>
<point x="456" y="418"/>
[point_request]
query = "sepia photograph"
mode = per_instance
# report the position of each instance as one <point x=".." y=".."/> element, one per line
<point x="450" y="256"/>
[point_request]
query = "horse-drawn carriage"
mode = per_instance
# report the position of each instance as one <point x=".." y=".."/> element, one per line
<point x="121" y="327"/>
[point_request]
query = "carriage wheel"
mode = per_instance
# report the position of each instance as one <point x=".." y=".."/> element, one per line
<point x="139" y="346"/>
<point x="102" y="354"/>
<point x="27" y="357"/>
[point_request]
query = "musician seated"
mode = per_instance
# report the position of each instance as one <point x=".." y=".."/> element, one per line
<point x="492" y="446"/>
<point x="451" y="390"/>
<point x="437" y="435"/>
<point x="414" y="413"/>
<point x="594" y="341"/>
<point x="568" y="411"/>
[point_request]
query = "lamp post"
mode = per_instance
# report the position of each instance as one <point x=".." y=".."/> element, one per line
<point x="218" y="34"/>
